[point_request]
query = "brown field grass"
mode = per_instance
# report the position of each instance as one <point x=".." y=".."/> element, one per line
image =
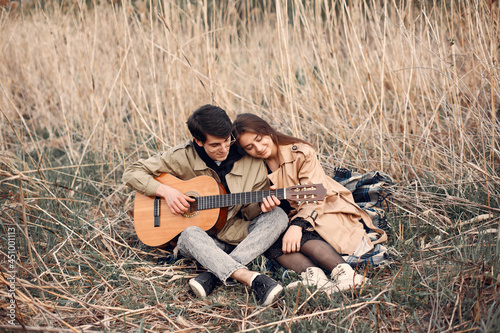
<point x="410" y="88"/>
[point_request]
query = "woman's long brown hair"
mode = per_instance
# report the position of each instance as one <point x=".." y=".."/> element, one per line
<point x="247" y="122"/>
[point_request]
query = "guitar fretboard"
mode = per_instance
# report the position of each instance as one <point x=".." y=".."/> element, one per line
<point x="226" y="200"/>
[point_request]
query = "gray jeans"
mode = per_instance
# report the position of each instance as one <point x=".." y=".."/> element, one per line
<point x="223" y="259"/>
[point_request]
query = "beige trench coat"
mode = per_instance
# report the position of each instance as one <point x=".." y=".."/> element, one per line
<point x="338" y="217"/>
<point x="247" y="175"/>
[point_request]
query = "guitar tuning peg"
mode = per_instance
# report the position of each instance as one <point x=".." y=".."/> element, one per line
<point x="307" y="202"/>
<point x="299" y="202"/>
<point x="315" y="202"/>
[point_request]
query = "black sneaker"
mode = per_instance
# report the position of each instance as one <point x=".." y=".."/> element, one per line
<point x="266" y="289"/>
<point x="203" y="284"/>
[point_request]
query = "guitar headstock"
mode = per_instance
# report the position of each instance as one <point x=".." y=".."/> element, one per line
<point x="306" y="193"/>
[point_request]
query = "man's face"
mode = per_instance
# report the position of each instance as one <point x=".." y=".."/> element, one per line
<point x="216" y="148"/>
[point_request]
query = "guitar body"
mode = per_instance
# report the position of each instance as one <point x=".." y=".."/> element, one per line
<point x="170" y="225"/>
<point x="156" y="226"/>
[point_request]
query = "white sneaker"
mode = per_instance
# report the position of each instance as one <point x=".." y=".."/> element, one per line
<point x="313" y="276"/>
<point x="344" y="277"/>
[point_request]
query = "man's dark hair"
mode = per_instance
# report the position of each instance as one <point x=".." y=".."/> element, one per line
<point x="209" y="119"/>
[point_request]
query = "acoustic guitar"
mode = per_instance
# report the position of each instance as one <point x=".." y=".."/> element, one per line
<point x="155" y="224"/>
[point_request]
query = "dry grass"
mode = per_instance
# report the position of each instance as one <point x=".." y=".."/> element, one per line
<point x="410" y="88"/>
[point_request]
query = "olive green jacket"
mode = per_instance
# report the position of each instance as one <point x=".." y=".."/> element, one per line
<point x="337" y="218"/>
<point x="247" y="175"/>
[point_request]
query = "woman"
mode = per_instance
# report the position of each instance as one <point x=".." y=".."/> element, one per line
<point x="318" y="232"/>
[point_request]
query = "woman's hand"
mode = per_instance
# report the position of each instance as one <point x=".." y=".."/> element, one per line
<point x="291" y="239"/>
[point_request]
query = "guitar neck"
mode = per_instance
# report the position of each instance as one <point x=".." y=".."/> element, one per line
<point x="226" y="200"/>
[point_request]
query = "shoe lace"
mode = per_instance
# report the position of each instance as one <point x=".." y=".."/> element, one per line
<point x="308" y="275"/>
<point x="340" y="272"/>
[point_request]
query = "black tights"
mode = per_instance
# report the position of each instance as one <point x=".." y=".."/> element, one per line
<point x="313" y="253"/>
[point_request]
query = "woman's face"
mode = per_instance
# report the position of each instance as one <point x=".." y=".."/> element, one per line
<point x="257" y="145"/>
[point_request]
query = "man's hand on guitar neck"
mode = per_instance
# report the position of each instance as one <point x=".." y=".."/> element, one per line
<point x="269" y="203"/>
<point x="177" y="202"/>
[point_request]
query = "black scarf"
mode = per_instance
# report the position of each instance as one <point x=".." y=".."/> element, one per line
<point x="235" y="154"/>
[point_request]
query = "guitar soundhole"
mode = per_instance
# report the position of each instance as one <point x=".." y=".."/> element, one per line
<point x="193" y="207"/>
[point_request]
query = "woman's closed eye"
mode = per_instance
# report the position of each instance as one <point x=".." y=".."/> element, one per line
<point x="249" y="147"/>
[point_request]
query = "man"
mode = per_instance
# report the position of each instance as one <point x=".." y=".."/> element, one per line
<point x="250" y="229"/>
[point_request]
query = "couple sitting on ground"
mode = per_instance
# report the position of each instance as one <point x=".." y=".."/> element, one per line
<point x="308" y="238"/>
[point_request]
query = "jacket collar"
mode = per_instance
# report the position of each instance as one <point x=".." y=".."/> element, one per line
<point x="286" y="153"/>
<point x="199" y="164"/>
<point x="238" y="168"/>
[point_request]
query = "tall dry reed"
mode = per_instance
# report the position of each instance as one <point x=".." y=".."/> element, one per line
<point x="408" y="88"/>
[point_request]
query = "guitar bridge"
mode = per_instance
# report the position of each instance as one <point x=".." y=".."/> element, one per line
<point x="157" y="205"/>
